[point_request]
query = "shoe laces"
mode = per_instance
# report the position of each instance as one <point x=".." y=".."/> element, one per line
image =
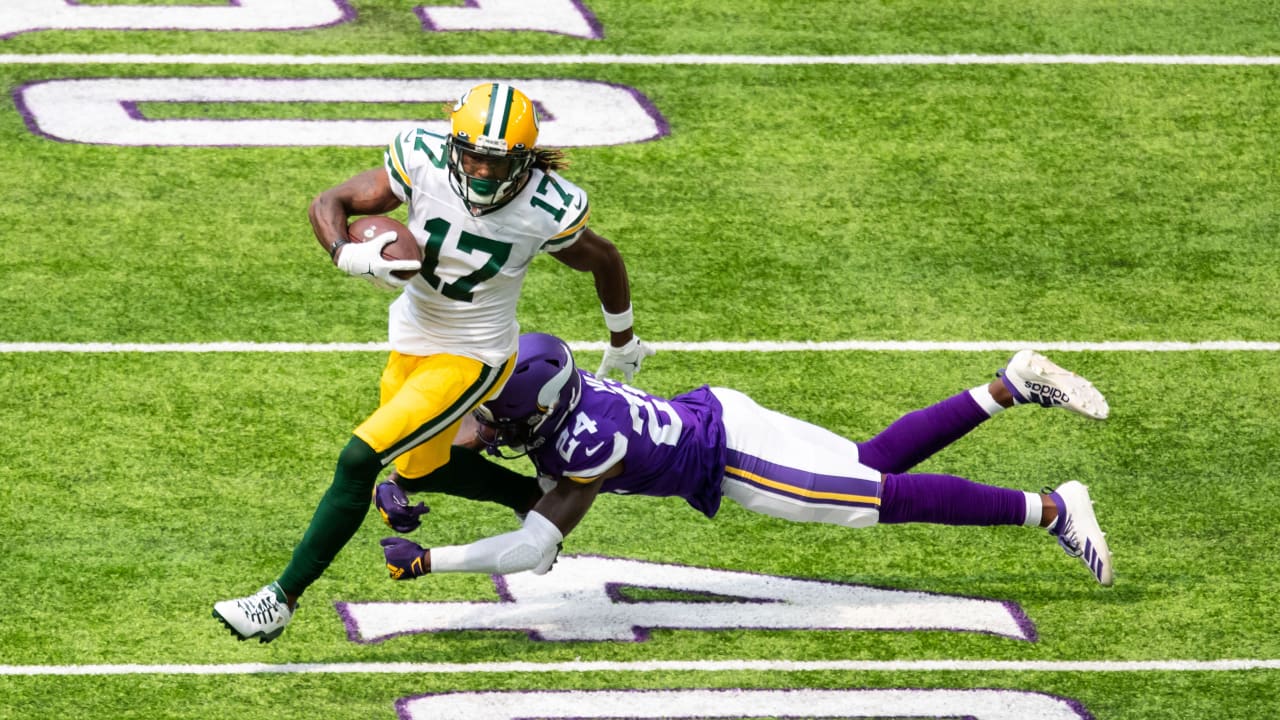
<point x="261" y="608"/>
<point x="1067" y="536"/>
<point x="1065" y="530"/>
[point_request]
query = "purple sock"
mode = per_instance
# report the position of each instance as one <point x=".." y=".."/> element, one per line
<point x="921" y="433"/>
<point x="949" y="500"/>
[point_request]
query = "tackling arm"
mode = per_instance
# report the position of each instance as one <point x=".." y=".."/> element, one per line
<point x="532" y="547"/>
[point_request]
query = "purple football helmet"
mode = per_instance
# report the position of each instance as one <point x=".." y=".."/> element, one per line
<point x="543" y="389"/>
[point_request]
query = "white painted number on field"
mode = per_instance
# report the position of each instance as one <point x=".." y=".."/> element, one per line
<point x="586" y="599"/>
<point x="564" y="17"/>
<point x="18" y="16"/>
<point x="113" y="111"/>
<point x="735" y="703"/>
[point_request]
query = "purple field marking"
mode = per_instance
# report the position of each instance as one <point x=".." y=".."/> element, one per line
<point x="402" y="704"/>
<point x="348" y="14"/>
<point x="597" y="30"/>
<point x="642" y="634"/>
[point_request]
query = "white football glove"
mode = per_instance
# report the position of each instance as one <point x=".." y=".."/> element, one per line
<point x="365" y="260"/>
<point x="626" y="358"/>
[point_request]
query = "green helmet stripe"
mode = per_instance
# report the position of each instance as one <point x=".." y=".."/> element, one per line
<point x="508" y="99"/>
<point x="500" y="99"/>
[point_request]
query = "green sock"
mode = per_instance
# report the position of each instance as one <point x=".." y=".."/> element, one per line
<point x="336" y="519"/>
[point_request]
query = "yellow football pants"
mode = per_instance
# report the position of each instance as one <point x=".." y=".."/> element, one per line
<point x="423" y="401"/>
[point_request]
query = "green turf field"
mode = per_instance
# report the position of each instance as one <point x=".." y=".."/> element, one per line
<point x="1005" y="202"/>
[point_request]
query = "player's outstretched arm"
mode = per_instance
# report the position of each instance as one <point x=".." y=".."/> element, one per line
<point x="532" y="547"/>
<point x="568" y="502"/>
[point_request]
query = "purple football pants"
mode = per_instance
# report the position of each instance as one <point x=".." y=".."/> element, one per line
<point x="929" y="498"/>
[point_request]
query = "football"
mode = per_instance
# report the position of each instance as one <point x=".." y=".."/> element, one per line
<point x="405" y="246"/>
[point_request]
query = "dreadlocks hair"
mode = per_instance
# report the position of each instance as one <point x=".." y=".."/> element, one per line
<point x="546" y="159"/>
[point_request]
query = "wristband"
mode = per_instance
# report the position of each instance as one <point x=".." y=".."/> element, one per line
<point x="333" y="249"/>
<point x="617" y="322"/>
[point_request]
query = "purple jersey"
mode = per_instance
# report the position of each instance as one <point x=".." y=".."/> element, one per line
<point x="667" y="447"/>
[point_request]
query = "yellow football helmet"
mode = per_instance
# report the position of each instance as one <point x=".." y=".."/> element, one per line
<point x="493" y="131"/>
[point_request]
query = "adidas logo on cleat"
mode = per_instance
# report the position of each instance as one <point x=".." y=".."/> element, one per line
<point x="1045" y="395"/>
<point x="1034" y="379"/>
<point x="1092" y="560"/>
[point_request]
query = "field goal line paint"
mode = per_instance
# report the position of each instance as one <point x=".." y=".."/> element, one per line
<point x="629" y="59"/>
<point x="761" y="346"/>
<point x="655" y="666"/>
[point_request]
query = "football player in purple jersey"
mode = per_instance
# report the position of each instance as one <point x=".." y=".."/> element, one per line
<point x="587" y="435"/>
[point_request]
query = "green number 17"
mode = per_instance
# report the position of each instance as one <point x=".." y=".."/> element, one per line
<point x="461" y="289"/>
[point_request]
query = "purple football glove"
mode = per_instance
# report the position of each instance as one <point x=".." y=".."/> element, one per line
<point x="393" y="506"/>
<point x="405" y="558"/>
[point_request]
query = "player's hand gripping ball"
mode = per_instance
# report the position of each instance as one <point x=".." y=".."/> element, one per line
<point x="403" y="248"/>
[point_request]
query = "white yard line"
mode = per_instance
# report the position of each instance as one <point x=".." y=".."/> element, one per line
<point x="597" y="59"/>
<point x="656" y="666"/>
<point x="707" y="346"/>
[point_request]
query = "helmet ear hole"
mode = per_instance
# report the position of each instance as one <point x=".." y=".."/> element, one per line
<point x="543" y="388"/>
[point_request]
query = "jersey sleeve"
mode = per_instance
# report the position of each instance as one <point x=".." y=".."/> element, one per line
<point x="572" y="213"/>
<point x="407" y="152"/>
<point x="590" y="462"/>
<point x="587" y="447"/>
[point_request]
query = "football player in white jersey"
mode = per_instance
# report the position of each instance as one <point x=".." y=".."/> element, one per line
<point x="483" y="202"/>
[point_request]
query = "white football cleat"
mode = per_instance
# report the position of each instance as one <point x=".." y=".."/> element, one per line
<point x="1078" y="532"/>
<point x="262" y="615"/>
<point x="1034" y="378"/>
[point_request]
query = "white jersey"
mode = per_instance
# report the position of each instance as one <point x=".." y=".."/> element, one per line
<point x="464" y="300"/>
